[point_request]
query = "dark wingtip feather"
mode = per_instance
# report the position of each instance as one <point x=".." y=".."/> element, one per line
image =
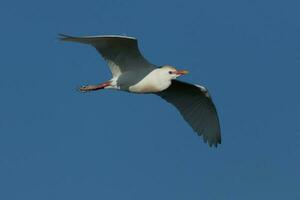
<point x="64" y="37"/>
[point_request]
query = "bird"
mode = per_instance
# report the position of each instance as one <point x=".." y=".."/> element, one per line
<point x="132" y="72"/>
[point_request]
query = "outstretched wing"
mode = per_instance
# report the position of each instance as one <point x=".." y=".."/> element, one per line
<point x="121" y="52"/>
<point x="196" y="106"/>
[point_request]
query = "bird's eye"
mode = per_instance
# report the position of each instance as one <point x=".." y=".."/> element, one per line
<point x="170" y="72"/>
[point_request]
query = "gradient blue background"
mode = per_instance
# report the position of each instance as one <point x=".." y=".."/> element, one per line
<point x="56" y="143"/>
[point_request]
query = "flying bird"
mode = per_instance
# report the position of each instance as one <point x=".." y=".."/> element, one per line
<point x="131" y="72"/>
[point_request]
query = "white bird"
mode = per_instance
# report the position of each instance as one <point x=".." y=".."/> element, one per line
<point x="131" y="72"/>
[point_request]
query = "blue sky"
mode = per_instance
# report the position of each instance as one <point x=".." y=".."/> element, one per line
<point x="56" y="143"/>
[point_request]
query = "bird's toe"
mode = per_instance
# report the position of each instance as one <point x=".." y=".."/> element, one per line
<point x="82" y="88"/>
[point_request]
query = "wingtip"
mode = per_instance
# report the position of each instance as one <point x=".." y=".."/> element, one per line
<point x="61" y="37"/>
<point x="64" y="37"/>
<point x="213" y="143"/>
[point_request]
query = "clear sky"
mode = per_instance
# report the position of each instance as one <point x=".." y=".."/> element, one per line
<point x="56" y="143"/>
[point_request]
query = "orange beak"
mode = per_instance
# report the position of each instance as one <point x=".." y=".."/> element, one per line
<point x="181" y="72"/>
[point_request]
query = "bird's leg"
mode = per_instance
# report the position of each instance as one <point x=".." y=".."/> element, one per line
<point x="87" y="88"/>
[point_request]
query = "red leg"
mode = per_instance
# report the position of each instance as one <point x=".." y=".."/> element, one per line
<point x="88" y="88"/>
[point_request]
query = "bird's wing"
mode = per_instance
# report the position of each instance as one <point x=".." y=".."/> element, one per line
<point x="196" y="106"/>
<point x="121" y="52"/>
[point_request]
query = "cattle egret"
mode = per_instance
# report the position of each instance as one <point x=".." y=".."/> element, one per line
<point x="131" y="72"/>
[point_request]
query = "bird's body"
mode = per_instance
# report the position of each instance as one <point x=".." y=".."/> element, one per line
<point x="131" y="72"/>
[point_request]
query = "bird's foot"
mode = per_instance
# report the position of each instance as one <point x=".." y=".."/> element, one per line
<point x="87" y="88"/>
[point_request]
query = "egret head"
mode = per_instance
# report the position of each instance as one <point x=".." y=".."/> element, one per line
<point x="172" y="72"/>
